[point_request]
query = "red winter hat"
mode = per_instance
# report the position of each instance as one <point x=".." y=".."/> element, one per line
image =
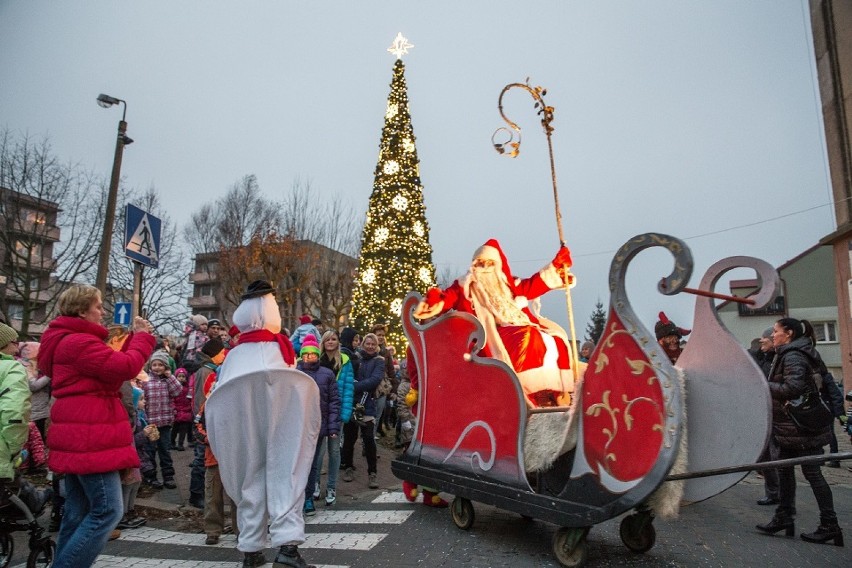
<point x="666" y="327"/>
<point x="492" y="250"/>
<point x="306" y="318"/>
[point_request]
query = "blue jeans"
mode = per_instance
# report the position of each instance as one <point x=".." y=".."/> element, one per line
<point x="196" y="476"/>
<point x="333" y="464"/>
<point x="93" y="507"/>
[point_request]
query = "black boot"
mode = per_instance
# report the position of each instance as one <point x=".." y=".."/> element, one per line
<point x="824" y="533"/>
<point x="778" y="523"/>
<point x="254" y="559"/>
<point x="288" y="555"/>
<point x="55" y="518"/>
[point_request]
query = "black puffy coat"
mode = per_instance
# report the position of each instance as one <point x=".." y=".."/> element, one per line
<point x="790" y="377"/>
<point x="370" y="374"/>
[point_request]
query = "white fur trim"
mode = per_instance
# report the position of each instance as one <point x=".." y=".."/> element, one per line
<point x="550" y="275"/>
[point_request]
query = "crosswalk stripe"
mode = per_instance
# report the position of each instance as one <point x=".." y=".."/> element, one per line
<point x="335" y="541"/>
<point x="359" y="517"/>
<point x="136" y="562"/>
<point x="391" y="498"/>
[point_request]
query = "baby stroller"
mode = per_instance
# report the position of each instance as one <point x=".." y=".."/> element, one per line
<point x="20" y="513"/>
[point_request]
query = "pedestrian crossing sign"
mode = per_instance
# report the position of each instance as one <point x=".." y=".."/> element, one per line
<point x="141" y="236"/>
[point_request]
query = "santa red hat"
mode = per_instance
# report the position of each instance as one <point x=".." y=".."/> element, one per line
<point x="492" y="250"/>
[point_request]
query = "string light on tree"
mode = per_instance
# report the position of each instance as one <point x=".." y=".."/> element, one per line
<point x="396" y="256"/>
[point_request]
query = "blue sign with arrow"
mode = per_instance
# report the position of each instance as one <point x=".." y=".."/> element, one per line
<point x="121" y="313"/>
<point x="141" y="236"/>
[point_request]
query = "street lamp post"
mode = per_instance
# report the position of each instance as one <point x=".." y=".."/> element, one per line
<point x="121" y="141"/>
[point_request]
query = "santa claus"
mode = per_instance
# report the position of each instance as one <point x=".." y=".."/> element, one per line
<point x="263" y="419"/>
<point x="515" y="333"/>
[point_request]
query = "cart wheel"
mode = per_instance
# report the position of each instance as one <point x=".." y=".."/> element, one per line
<point x="7" y="548"/>
<point x="42" y="555"/>
<point x="569" y="546"/>
<point x="637" y="532"/>
<point x="462" y="511"/>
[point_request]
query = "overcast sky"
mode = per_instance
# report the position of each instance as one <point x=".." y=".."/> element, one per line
<point x="681" y="117"/>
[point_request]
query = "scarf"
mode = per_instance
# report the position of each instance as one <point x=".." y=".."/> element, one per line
<point x="261" y="335"/>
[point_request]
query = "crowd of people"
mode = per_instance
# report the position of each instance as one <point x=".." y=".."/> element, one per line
<point x="101" y="411"/>
<point x="103" y="408"/>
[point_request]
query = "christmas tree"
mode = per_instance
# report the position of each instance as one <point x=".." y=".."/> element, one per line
<point x="396" y="256"/>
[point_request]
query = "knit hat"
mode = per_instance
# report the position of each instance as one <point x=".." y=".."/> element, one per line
<point x="137" y="393"/>
<point x="767" y="334"/>
<point x="666" y="327"/>
<point x="306" y="318"/>
<point x="198" y="320"/>
<point x="7" y="335"/>
<point x="161" y="356"/>
<point x="347" y="335"/>
<point x="180" y="370"/>
<point x="214" y="321"/>
<point x="213" y="347"/>
<point x="309" y="345"/>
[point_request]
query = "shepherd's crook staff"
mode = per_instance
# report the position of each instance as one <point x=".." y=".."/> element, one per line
<point x="546" y="113"/>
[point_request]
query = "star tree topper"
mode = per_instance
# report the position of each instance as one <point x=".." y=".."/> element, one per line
<point x="400" y="46"/>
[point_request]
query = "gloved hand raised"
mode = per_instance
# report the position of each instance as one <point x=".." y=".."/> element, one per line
<point x="563" y="258"/>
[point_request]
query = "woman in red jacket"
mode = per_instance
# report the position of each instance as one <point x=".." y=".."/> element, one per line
<point x="89" y="436"/>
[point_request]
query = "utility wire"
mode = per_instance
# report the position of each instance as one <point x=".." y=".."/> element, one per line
<point x="698" y="236"/>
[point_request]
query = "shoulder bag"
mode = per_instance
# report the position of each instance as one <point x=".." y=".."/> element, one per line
<point x="809" y="412"/>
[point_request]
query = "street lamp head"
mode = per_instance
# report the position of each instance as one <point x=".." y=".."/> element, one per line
<point x="126" y="140"/>
<point x="106" y="101"/>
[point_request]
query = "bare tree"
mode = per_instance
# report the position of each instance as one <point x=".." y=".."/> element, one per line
<point x="43" y="201"/>
<point x="164" y="289"/>
<point x="330" y="233"/>
<point x="304" y="245"/>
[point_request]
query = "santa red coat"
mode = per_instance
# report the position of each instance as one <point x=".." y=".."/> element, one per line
<point x="89" y="429"/>
<point x="538" y="352"/>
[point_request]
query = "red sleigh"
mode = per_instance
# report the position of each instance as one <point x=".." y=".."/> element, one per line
<point x="613" y="448"/>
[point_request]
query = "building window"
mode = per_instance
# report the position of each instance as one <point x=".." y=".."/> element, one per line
<point x="15" y="311"/>
<point x="20" y="282"/>
<point x="825" y="331"/>
<point x="31" y="216"/>
<point x="204" y="290"/>
<point x="22" y="247"/>
<point x="775" y="308"/>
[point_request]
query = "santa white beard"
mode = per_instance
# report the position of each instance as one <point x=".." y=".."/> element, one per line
<point x="493" y="294"/>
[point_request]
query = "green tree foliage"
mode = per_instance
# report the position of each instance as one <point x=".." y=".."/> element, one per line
<point x="597" y="321"/>
<point x="396" y="256"/>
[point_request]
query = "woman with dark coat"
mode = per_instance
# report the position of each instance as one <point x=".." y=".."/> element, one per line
<point x="790" y="377"/>
<point x="369" y="375"/>
<point x="89" y="438"/>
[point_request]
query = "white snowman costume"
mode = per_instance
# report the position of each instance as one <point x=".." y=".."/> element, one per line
<point x="263" y="419"/>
